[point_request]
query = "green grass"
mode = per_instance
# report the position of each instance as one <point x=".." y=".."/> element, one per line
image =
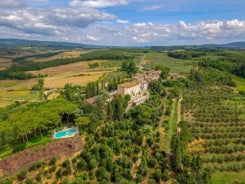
<point x="227" y="177"/>
<point x="176" y="65"/>
<point x="6" y="152"/>
<point x="38" y="140"/>
<point x="240" y="82"/>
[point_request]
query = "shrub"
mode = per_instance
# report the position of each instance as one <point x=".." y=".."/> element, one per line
<point x="22" y="175"/>
<point x="19" y="147"/>
<point x="53" y="161"/>
<point x="38" y="177"/>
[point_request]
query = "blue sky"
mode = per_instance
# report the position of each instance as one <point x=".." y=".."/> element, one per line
<point x="124" y="22"/>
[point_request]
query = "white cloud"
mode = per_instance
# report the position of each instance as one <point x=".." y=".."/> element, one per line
<point x="140" y="24"/>
<point x="12" y="4"/>
<point x="91" y="38"/>
<point x="122" y="21"/>
<point x="152" y="8"/>
<point x="51" y="21"/>
<point x="61" y="26"/>
<point x="98" y="3"/>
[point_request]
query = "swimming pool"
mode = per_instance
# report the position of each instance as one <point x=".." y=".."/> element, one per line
<point x="65" y="133"/>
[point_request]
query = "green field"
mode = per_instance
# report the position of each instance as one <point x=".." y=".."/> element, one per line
<point x="228" y="177"/>
<point x="176" y="65"/>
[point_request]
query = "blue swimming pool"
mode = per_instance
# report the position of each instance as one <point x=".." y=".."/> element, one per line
<point x="65" y="133"/>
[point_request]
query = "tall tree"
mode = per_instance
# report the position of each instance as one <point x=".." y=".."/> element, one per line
<point x="41" y="89"/>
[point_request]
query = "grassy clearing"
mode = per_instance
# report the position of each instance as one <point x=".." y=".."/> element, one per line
<point x="227" y="177"/>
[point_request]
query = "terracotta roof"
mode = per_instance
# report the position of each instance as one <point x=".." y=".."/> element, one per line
<point x="128" y="84"/>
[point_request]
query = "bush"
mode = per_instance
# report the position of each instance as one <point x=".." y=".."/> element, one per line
<point x="38" y="177"/>
<point x="36" y="165"/>
<point x="59" y="174"/>
<point x="22" y="175"/>
<point x="53" y="161"/>
<point x="19" y="147"/>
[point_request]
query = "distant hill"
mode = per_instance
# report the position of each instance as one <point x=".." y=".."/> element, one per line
<point x="69" y="45"/>
<point x="235" y="45"/>
<point x="205" y="47"/>
<point x="47" y="44"/>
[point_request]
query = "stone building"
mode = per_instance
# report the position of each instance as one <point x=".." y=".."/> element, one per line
<point x="131" y="88"/>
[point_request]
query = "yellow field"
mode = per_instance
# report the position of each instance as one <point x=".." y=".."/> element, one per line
<point x="60" y="81"/>
<point x="64" y="70"/>
<point x="76" y="73"/>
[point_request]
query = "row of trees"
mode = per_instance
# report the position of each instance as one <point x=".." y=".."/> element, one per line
<point x="188" y="169"/>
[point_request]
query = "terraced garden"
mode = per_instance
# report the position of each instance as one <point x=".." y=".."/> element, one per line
<point x="216" y="119"/>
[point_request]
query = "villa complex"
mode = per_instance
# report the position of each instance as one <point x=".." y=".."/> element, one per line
<point x="137" y="88"/>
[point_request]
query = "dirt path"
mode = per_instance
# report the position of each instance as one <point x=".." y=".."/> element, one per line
<point x="142" y="62"/>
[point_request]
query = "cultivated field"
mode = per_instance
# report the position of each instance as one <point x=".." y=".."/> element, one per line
<point x="16" y="90"/>
<point x="62" y="55"/>
<point x="217" y="124"/>
<point x="75" y="73"/>
<point x="176" y="65"/>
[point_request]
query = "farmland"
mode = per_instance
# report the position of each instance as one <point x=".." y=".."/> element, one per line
<point x="190" y="130"/>
<point x="216" y="116"/>
<point x="77" y="73"/>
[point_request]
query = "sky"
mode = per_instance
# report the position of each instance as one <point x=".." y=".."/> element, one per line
<point x="124" y="22"/>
